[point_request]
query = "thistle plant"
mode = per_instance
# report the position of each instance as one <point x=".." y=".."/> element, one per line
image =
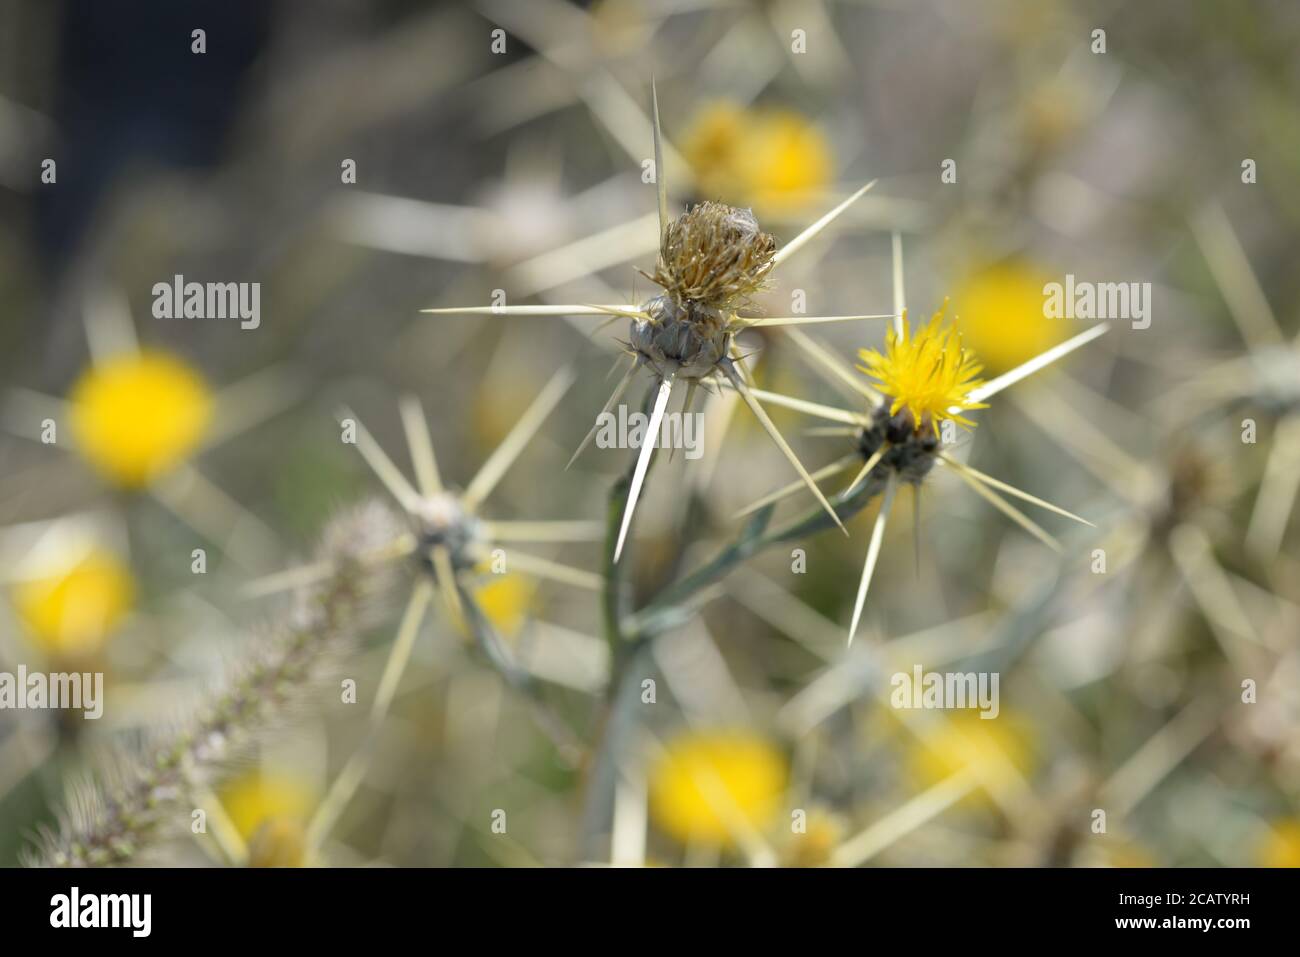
<point x="449" y="540"/>
<point x="923" y="380"/>
<point x="712" y="260"/>
<point x="447" y="532"/>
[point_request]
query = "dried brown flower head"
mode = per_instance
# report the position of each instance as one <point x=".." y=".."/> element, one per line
<point x="714" y="255"/>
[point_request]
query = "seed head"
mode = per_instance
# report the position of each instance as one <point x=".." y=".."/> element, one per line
<point x="714" y="255"/>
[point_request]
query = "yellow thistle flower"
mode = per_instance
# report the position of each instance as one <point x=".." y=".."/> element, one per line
<point x="70" y="613"/>
<point x="1000" y="312"/>
<point x="136" y="416"/>
<point x="1282" y="847"/>
<point x="706" y="784"/>
<point x="270" y="812"/>
<point x="772" y="160"/>
<point x="928" y="374"/>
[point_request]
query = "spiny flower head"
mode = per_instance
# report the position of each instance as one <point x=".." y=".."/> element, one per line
<point x="71" y="611"/>
<point x="929" y="374"/>
<point x="136" y="416"/>
<point x="715" y="255"/>
<point x="706" y="779"/>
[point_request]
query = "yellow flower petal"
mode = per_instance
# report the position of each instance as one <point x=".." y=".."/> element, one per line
<point x="929" y="374"/>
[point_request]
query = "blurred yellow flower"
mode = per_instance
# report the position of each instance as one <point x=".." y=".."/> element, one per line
<point x="270" y="812"/>
<point x="69" y="614"/>
<point x="772" y="160"/>
<point x="929" y="374"/>
<point x="505" y="600"/>
<point x="709" y="144"/>
<point x="999" y="310"/>
<point x="136" y="416"/>
<point x="1282" y="846"/>
<point x="704" y="780"/>
<point x="998" y="748"/>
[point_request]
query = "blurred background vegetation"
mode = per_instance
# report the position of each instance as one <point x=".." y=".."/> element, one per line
<point x="477" y="171"/>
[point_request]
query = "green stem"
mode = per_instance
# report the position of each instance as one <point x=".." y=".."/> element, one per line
<point x="661" y="613"/>
<point x="624" y="651"/>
